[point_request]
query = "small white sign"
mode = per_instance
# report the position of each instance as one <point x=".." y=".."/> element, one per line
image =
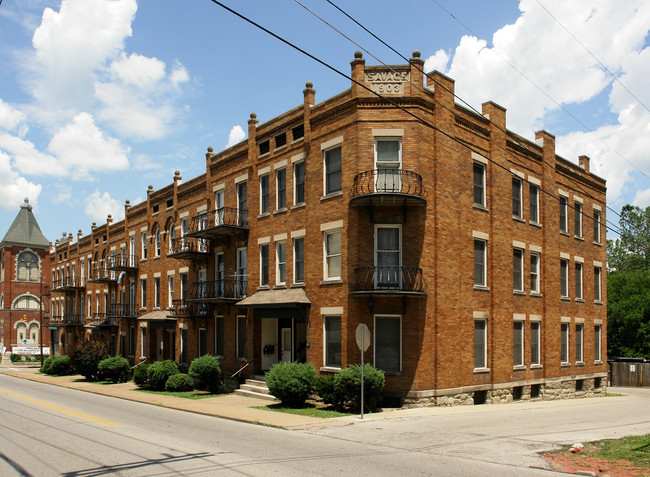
<point x="632" y="368"/>
<point x="30" y="350"/>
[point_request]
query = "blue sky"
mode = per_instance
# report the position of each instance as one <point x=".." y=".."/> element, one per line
<point x="100" y="98"/>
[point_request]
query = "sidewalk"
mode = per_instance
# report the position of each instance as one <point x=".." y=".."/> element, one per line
<point x="240" y="408"/>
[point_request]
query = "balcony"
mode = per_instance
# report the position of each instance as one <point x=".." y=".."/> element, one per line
<point x="189" y="248"/>
<point x="387" y="187"/>
<point x="103" y="275"/>
<point x="66" y="319"/>
<point x="103" y="319"/>
<point x="68" y="284"/>
<point x="120" y="310"/>
<point x="187" y="309"/>
<point x="124" y="262"/>
<point x="229" y="289"/>
<point x="221" y="223"/>
<point x="388" y="281"/>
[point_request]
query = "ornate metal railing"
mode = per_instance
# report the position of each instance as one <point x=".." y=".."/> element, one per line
<point x="225" y="216"/>
<point x="103" y="319"/>
<point x="103" y="275"/>
<point x="388" y="181"/>
<point x="67" y="283"/>
<point x="398" y="279"/>
<point x="189" y="245"/>
<point x="228" y="288"/>
<point x="123" y="260"/>
<point x="66" y="319"/>
<point x="121" y="310"/>
<point x="182" y="308"/>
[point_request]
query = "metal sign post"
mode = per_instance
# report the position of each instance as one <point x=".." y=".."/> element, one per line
<point x="363" y="342"/>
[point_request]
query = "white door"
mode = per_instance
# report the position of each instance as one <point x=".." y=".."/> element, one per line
<point x="286" y="347"/>
<point x="269" y="342"/>
<point x="203" y="277"/>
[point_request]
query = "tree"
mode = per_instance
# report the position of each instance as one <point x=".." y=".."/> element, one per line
<point x="628" y="286"/>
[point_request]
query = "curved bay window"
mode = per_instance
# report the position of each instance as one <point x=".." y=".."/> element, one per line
<point x="28" y="269"/>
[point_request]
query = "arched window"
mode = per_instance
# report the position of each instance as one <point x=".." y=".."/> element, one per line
<point x="2" y="302"/>
<point x="171" y="235"/>
<point x="34" y="332"/>
<point x="21" y="331"/>
<point x="28" y="267"/>
<point x="26" y="302"/>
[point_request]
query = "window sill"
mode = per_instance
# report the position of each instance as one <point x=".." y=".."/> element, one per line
<point x="536" y="366"/>
<point x="263" y="287"/>
<point x="565" y="298"/>
<point x="519" y="292"/>
<point x="329" y="369"/>
<point x="536" y="295"/>
<point x="264" y="215"/>
<point x="482" y="288"/>
<point x="598" y="244"/>
<point x="580" y="300"/>
<point x="481" y="370"/>
<point x="156" y="308"/>
<point x="337" y="281"/>
<point x="565" y="365"/>
<point x="297" y="140"/>
<point x="535" y="224"/>
<point x="598" y="361"/>
<point x="298" y="206"/>
<point x="580" y="363"/>
<point x="480" y="207"/>
<point x="520" y="367"/>
<point x="143" y="308"/>
<point x="282" y="286"/>
<point x="279" y="148"/>
<point x="579" y="238"/>
<point x="280" y="211"/>
<point x="264" y="155"/>
<point x="297" y="285"/>
<point x="332" y="195"/>
<point x="518" y="219"/>
<point x="598" y="302"/>
<point x="566" y="234"/>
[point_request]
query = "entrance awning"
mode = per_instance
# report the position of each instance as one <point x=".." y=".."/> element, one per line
<point x="284" y="298"/>
<point x="158" y="315"/>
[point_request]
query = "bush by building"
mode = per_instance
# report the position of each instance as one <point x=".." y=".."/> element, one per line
<point x="140" y="375"/>
<point x="179" y="383"/>
<point x="207" y="370"/>
<point x="348" y="382"/>
<point x="292" y="383"/>
<point x="159" y="372"/>
<point x="85" y="358"/>
<point x="114" y="369"/>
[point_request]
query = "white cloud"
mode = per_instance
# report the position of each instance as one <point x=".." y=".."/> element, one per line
<point x="140" y="71"/>
<point x="27" y="159"/>
<point x="13" y="187"/>
<point x="236" y="135"/>
<point x="437" y="62"/>
<point x="65" y="194"/>
<point x="10" y="118"/>
<point x="179" y="75"/>
<point x="642" y="198"/>
<point x="99" y="205"/>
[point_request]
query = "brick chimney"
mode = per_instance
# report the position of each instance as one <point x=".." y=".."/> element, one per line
<point x="583" y="161"/>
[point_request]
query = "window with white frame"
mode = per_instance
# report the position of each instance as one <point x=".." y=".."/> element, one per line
<point x="596" y="226"/>
<point x="534" y="273"/>
<point x="578" y="219"/>
<point x="564" y="227"/>
<point x="479" y="184"/>
<point x="218" y="207"/>
<point x="241" y="337"/>
<point x="534" y="203"/>
<point x="480" y="343"/>
<point x="564" y="278"/>
<point x="170" y="290"/>
<point x="517" y="343"/>
<point x="332" y="250"/>
<point x="131" y="252"/>
<point x="242" y="274"/>
<point x="157" y="249"/>
<point x="388" y="160"/>
<point x="156" y="292"/>
<point x="143" y="292"/>
<point x="597" y="342"/>
<point x="264" y="265"/>
<point x="332" y="341"/>
<point x="597" y="283"/>
<point x="535" y="343"/>
<point x="480" y="263"/>
<point x="578" y="278"/>
<point x="518" y="270"/>
<point x="143" y="239"/>
<point x="281" y="189"/>
<point x="219" y="274"/>
<point x="299" y="260"/>
<point x="299" y="183"/>
<point x="388" y="343"/>
<point x="28" y="268"/>
<point x="171" y="235"/>
<point x="264" y="194"/>
<point x="280" y="263"/>
<point x="388" y="256"/>
<point x="332" y="166"/>
<point x="242" y="203"/>
<point x="184" y="288"/>
<point x="516" y="198"/>
<point x="579" y="341"/>
<point x="564" y="343"/>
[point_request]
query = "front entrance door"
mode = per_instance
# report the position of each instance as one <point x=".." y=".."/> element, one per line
<point x="286" y="345"/>
<point x="269" y="343"/>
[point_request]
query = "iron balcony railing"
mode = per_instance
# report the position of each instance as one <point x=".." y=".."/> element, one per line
<point x="228" y="288"/>
<point x="189" y="245"/>
<point x="121" y="310"/>
<point x="186" y="309"/>
<point x="67" y="319"/>
<point x="123" y="261"/>
<point x="388" y="279"/>
<point x="67" y="283"/>
<point x="225" y="216"/>
<point x="103" y="275"/>
<point x="388" y="181"/>
<point x="103" y="319"/>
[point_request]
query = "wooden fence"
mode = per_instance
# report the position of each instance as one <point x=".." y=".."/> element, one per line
<point x="629" y="373"/>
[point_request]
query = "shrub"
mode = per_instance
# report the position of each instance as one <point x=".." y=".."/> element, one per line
<point x="159" y="372"/>
<point x="292" y="383"/>
<point x="140" y="375"/>
<point x="85" y="358"/>
<point x="329" y="392"/>
<point x="348" y="382"/>
<point x="47" y="365"/>
<point x="179" y="382"/>
<point x="59" y="366"/>
<point x="114" y="369"/>
<point x="207" y="370"/>
<point x="14" y="358"/>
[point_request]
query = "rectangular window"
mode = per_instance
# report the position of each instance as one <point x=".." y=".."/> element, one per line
<point x="219" y="207"/>
<point x="332" y="245"/>
<point x="203" y="341"/>
<point x="280" y="140"/>
<point x="535" y="343"/>
<point x="479" y="184"/>
<point x="388" y="257"/>
<point x="299" y="183"/>
<point x="241" y="272"/>
<point x="564" y="227"/>
<point x="143" y="342"/>
<point x="597" y="341"/>
<point x="579" y="329"/>
<point x="143" y="238"/>
<point x="264" y="194"/>
<point x="143" y="292"/>
<point x="578" y="281"/>
<point x="280" y="263"/>
<point x="218" y="339"/>
<point x="564" y="278"/>
<point x="242" y="203"/>
<point x="534" y="203"/>
<point x="480" y="344"/>
<point x="332" y="329"/>
<point x="281" y="189"/>
<point x="518" y="343"/>
<point x="388" y="343"/>
<point x="265" y="147"/>
<point x="170" y="290"/>
<point x="298" y="132"/>
<point x="596" y="226"/>
<point x="578" y="219"/>
<point x="241" y="337"/>
<point x="184" y="346"/>
<point x="518" y="269"/>
<point x="564" y="343"/>
<point x="333" y="170"/>
<point x="480" y="263"/>
<point x="219" y="274"/>
<point x="388" y="159"/>
<point x="156" y="292"/>
<point x="597" y="273"/>
<point x="184" y="288"/>
<point x="299" y="260"/>
<point x="157" y="248"/>
<point x="534" y="273"/>
<point x="264" y="265"/>
<point x="516" y="197"/>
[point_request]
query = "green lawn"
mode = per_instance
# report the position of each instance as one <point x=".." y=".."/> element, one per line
<point x="636" y="449"/>
<point x="309" y="410"/>
<point x="185" y="395"/>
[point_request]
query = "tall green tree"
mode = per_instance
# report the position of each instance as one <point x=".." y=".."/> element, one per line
<point x="628" y="286"/>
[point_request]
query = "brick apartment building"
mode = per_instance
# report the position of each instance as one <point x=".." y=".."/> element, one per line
<point x="24" y="278"/>
<point x="474" y="256"/>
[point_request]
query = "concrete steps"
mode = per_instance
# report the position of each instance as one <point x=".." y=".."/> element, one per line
<point x="255" y="388"/>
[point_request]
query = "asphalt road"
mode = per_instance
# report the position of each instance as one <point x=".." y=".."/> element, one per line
<point x="47" y="430"/>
